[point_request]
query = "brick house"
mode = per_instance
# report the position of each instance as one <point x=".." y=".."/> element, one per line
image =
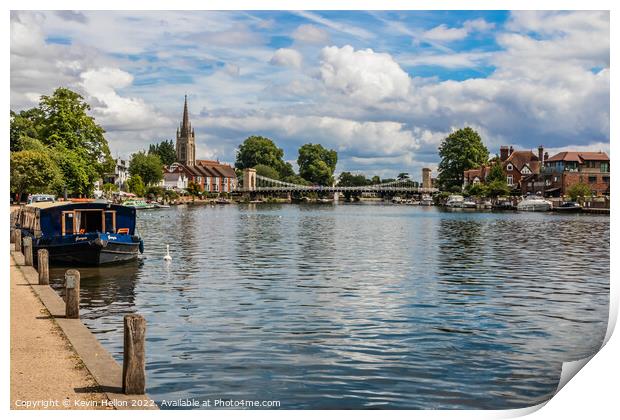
<point x="565" y="169"/>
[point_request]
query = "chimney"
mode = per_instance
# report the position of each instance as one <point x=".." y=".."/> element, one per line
<point x="546" y="157"/>
<point x="503" y="153"/>
<point x="511" y="150"/>
<point x="540" y="154"/>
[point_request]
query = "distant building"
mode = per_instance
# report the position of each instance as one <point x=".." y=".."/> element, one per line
<point x="426" y="178"/>
<point x="211" y="175"/>
<point x="120" y="174"/>
<point x="565" y="169"/>
<point x="175" y="177"/>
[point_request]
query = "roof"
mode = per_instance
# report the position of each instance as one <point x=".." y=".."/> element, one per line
<point x="219" y="169"/>
<point x="578" y="156"/>
<point x="520" y="158"/>
<point x="49" y="204"/>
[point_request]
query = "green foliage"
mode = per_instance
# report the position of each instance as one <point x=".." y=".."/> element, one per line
<point x="148" y="166"/>
<point x="194" y="190"/>
<point x="154" y="192"/>
<point x="496" y="173"/>
<point x="317" y="164"/>
<point x="257" y="150"/>
<point x="34" y="172"/>
<point x="402" y="176"/>
<point x="108" y="187"/>
<point x="296" y="179"/>
<point x="498" y="188"/>
<point x="375" y="180"/>
<point x="165" y="150"/>
<point x="578" y="190"/>
<point x="61" y="128"/>
<point x="266" y="171"/>
<point x="476" y="190"/>
<point x="460" y="151"/>
<point x="136" y="185"/>
<point x="347" y="179"/>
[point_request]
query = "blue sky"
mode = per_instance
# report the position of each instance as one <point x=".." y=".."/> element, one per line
<point x="381" y="88"/>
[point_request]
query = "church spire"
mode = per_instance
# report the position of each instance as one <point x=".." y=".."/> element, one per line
<point x="185" y="127"/>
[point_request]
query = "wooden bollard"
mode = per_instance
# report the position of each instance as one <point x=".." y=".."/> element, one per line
<point x="13" y="235"/>
<point x="43" y="266"/>
<point x="18" y="240"/>
<point x="27" y="250"/>
<point x="72" y="294"/>
<point x="134" y="375"/>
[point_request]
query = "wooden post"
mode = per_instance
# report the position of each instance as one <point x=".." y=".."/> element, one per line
<point x="18" y="240"/>
<point x="72" y="294"/>
<point x="134" y="376"/>
<point x="13" y="235"/>
<point x="27" y="250"/>
<point x="43" y="266"/>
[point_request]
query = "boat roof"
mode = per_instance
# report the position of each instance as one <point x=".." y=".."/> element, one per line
<point x="50" y="204"/>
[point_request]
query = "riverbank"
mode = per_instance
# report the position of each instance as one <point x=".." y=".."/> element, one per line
<point x="44" y="365"/>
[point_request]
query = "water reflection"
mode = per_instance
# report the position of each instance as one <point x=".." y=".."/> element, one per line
<point x="361" y="306"/>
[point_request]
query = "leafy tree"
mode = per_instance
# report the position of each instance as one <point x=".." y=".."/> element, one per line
<point x="165" y="150"/>
<point x="476" y="190"/>
<point x="33" y="172"/>
<point x="347" y="179"/>
<point x="375" y="180"/>
<point x="26" y="123"/>
<point x="136" y="185"/>
<point x="78" y="175"/>
<point x="148" y="166"/>
<point x="194" y="190"/>
<point x="296" y="179"/>
<point x="257" y="150"/>
<point x="460" y="151"/>
<point x="65" y="122"/>
<point x="498" y="188"/>
<point x="109" y="187"/>
<point x="579" y="190"/>
<point x="496" y="172"/>
<point x="317" y="164"/>
<point x="402" y="176"/>
<point x="267" y="171"/>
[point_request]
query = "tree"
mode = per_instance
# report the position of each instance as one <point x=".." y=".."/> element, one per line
<point x="148" y="166"/>
<point x="194" y="190"/>
<point x="257" y="150"/>
<point x="496" y="173"/>
<point x="376" y="180"/>
<point x="296" y="179"/>
<point x="498" y="188"/>
<point x="165" y="150"/>
<point x="78" y="176"/>
<point x="460" y="151"/>
<point x="109" y="188"/>
<point x="136" y="185"/>
<point x="476" y="190"/>
<point x="347" y="179"/>
<point x="317" y="164"/>
<point x="26" y="123"/>
<point x="33" y="172"/>
<point x="267" y="171"/>
<point x="578" y="190"/>
<point x="402" y="176"/>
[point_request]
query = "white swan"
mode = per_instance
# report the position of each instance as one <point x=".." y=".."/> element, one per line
<point x="167" y="257"/>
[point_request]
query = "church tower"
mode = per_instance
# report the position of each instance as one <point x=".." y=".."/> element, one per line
<point x="186" y="146"/>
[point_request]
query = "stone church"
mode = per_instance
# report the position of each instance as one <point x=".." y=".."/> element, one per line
<point x="211" y="175"/>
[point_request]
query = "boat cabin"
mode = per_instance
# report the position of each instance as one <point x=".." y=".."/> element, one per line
<point x="74" y="218"/>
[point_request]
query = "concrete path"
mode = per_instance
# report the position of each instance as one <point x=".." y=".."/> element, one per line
<point x="45" y="370"/>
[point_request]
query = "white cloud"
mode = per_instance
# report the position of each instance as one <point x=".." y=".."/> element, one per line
<point x="310" y="34"/>
<point x="286" y="57"/>
<point x="363" y="74"/>
<point x="337" y="26"/>
<point x="444" y="33"/>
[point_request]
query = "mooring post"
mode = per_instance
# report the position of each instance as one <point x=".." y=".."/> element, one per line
<point x="134" y="375"/>
<point x="18" y="240"/>
<point x="13" y="235"/>
<point x="43" y="266"/>
<point x="72" y="294"/>
<point x="27" y="250"/>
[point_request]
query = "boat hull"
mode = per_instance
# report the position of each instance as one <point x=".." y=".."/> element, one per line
<point x="90" y="252"/>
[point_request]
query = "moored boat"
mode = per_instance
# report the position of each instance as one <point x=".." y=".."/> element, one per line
<point x="82" y="233"/>
<point x="455" y="201"/>
<point x="426" y="200"/>
<point x="568" y="207"/>
<point x="534" y="203"/>
<point x="138" y="204"/>
<point x="468" y="204"/>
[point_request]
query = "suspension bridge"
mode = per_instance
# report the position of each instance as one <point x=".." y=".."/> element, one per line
<point x="252" y="182"/>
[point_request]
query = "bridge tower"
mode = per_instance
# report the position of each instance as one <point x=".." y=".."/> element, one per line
<point x="426" y="178"/>
<point x="249" y="179"/>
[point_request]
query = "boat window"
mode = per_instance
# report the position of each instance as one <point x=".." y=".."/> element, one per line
<point x="67" y="223"/>
<point x="110" y="221"/>
<point x="90" y="221"/>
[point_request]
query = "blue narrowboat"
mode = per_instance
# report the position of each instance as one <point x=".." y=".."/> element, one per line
<point x="82" y="233"/>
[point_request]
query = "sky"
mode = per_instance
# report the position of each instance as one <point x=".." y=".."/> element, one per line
<point x="381" y="88"/>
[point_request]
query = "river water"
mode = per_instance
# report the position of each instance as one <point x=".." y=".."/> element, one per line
<point x="358" y="306"/>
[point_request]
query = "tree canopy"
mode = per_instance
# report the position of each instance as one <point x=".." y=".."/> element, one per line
<point x="165" y="150"/>
<point x="33" y="171"/>
<point x="136" y="185"/>
<point x="71" y="139"/>
<point x="148" y="166"/>
<point x="460" y="151"/>
<point x="578" y="190"/>
<point x="267" y="171"/>
<point x="257" y="150"/>
<point x="496" y="172"/>
<point x="317" y="164"/>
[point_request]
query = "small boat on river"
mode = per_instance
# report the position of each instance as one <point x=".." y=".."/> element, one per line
<point x="568" y="207"/>
<point x="534" y="203"/>
<point x="138" y="204"/>
<point x="81" y="233"/>
<point x="455" y="201"/>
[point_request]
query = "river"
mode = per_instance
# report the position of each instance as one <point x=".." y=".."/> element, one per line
<point x="358" y="306"/>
